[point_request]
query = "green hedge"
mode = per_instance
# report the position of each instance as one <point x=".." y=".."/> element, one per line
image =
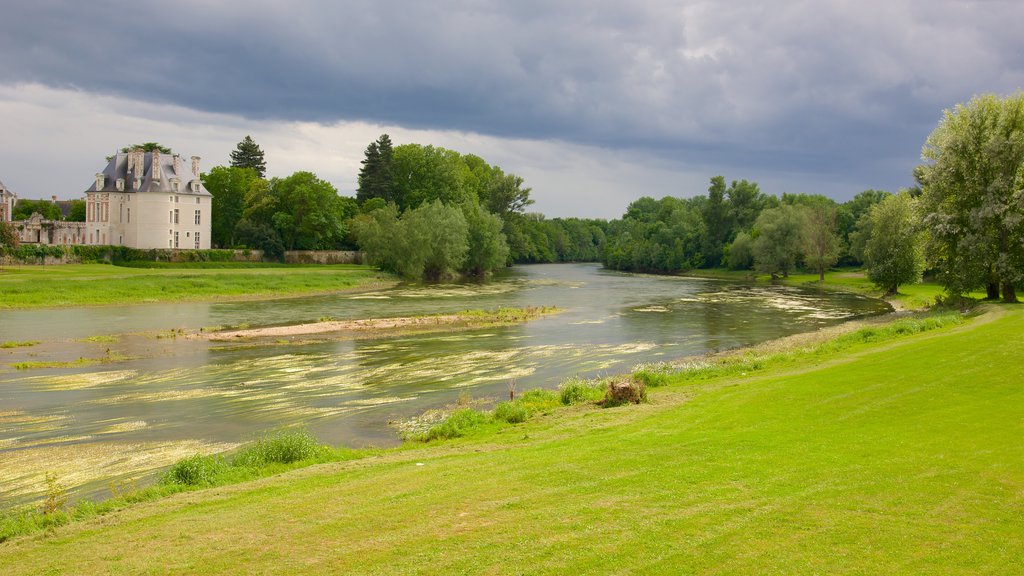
<point x="114" y="254"/>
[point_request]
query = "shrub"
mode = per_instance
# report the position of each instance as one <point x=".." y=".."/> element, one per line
<point x="283" y="447"/>
<point x="576" y="390"/>
<point x="538" y="400"/>
<point x="512" y="412"/>
<point x="195" y="470"/>
<point x="625" y="391"/>
<point x="456" y="425"/>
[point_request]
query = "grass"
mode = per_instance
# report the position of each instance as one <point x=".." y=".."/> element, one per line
<point x="910" y="296"/>
<point x="890" y="449"/>
<point x="100" y="284"/>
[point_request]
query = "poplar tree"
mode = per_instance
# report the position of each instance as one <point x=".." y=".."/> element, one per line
<point x="248" y="155"/>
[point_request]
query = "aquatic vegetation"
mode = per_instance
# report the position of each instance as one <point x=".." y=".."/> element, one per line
<point x="18" y="343"/>
<point x="101" y="339"/>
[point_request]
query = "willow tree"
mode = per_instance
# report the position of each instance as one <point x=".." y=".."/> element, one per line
<point x="972" y="201"/>
<point x="893" y="248"/>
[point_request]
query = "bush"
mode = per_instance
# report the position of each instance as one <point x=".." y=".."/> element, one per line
<point x="282" y="447"/>
<point x="627" y="391"/>
<point x="195" y="470"/>
<point x="456" y="425"/>
<point x="576" y="390"/>
<point x="511" y="412"/>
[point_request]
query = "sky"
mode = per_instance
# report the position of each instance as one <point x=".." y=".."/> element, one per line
<point x="593" y="103"/>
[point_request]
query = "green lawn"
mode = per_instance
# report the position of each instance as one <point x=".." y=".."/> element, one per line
<point x="900" y="457"/>
<point x="97" y="284"/>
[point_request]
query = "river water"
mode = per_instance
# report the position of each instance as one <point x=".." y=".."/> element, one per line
<point x="165" y="396"/>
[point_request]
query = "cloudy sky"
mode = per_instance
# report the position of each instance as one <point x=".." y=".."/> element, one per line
<point x="594" y="103"/>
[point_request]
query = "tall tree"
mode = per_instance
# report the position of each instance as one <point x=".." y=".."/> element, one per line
<point x="821" y="244"/>
<point x="894" y="251"/>
<point x="717" y="222"/>
<point x="972" y="195"/>
<point x="249" y="155"/>
<point x="148" y="147"/>
<point x="488" y="249"/>
<point x="376" y="176"/>
<point x="8" y="237"/>
<point x="229" y="186"/>
<point x="777" y="240"/>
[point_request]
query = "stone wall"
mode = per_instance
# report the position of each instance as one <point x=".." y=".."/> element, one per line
<point x="323" y="257"/>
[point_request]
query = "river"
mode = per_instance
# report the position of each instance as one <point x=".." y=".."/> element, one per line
<point x="167" y="396"/>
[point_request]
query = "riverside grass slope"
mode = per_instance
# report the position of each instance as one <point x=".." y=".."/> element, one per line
<point x="103" y="284"/>
<point x="900" y="457"/>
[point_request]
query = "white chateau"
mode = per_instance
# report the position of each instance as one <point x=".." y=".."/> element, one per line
<point x="140" y="200"/>
<point x="148" y="200"/>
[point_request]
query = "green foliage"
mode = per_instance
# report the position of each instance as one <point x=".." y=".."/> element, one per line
<point x="652" y="375"/>
<point x="284" y="447"/>
<point x="197" y="470"/>
<point x="56" y="495"/>
<point x="511" y="412"/>
<point x="9" y="241"/>
<point x="973" y="195"/>
<point x="147" y="147"/>
<point x="777" y="240"/>
<point x="577" y="390"/>
<point x="77" y="212"/>
<point x="740" y="254"/>
<point x="894" y="249"/>
<point x="24" y="209"/>
<point x="376" y="177"/>
<point x="487" y="249"/>
<point x="247" y="154"/>
<point x="456" y="425"/>
<point x="229" y="187"/>
<point x="430" y="242"/>
<point x="821" y="244"/>
<point x="664" y="235"/>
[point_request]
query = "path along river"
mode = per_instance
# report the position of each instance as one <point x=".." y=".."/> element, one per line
<point x="179" y="396"/>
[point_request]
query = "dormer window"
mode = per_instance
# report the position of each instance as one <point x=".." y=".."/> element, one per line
<point x="120" y="184"/>
<point x="195" y="185"/>
<point x="176" y="184"/>
<point x="100" y="180"/>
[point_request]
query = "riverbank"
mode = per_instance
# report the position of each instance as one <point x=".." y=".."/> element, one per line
<point x="895" y="452"/>
<point x="27" y="287"/>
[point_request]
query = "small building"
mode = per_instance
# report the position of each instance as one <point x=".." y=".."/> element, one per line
<point x="7" y="200"/>
<point x="148" y="200"/>
<point x="37" y="230"/>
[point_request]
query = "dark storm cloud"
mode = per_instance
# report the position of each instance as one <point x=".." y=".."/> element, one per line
<point x="844" y="90"/>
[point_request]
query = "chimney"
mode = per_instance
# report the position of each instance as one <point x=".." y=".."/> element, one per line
<point x="177" y="166"/>
<point x="99" y="181"/>
<point x="155" y="155"/>
<point x="53" y="199"/>
<point x="195" y="165"/>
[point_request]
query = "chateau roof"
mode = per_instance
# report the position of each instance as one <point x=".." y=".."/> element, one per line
<point x="136" y="168"/>
<point x="4" y="191"/>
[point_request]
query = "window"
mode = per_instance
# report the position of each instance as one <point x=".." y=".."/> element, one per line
<point x="197" y="216"/>
<point x="197" y="199"/>
<point x="120" y="215"/>
<point x="170" y="243"/>
<point x="176" y="198"/>
<point x="197" y="240"/>
<point x="170" y="217"/>
<point x="175" y="215"/>
<point x="170" y="198"/>
<point x="175" y="239"/>
<point x="129" y="215"/>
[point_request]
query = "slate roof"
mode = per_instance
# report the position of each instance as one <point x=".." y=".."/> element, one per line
<point x="4" y="191"/>
<point x="118" y="167"/>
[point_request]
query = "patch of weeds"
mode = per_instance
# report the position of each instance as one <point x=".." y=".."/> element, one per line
<point x="456" y="425"/>
<point x="101" y="339"/>
<point x="195" y="470"/>
<point x="512" y="412"/>
<point x="18" y="343"/>
<point x="56" y="495"/>
<point x="653" y="374"/>
<point x="284" y="447"/>
<point x="539" y="400"/>
<point x="577" y="390"/>
<point x="326" y="319"/>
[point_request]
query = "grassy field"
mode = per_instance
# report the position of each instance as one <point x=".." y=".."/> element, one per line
<point x="887" y="456"/>
<point x="99" y="284"/>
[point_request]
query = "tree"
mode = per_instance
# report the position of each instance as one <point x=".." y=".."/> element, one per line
<point x="8" y="237"/>
<point x="376" y="175"/>
<point x="746" y="202"/>
<point x="423" y="174"/>
<point x="972" y="197"/>
<point x="249" y="155"/>
<point x="429" y="242"/>
<point x="777" y="240"/>
<point x="309" y="214"/>
<point x="821" y="245"/>
<point x="24" y="209"/>
<point x="717" y="222"/>
<point x="147" y="147"/>
<point x="740" y="254"/>
<point x="77" y="212"/>
<point x="894" y="252"/>
<point x="488" y="249"/>
<point x="228" y="186"/>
